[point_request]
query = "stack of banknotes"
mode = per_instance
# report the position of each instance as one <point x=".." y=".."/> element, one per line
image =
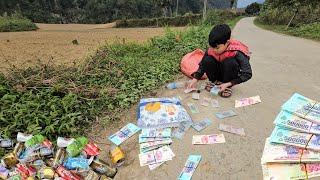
<point x="154" y="147"/>
<point x="293" y="149"/>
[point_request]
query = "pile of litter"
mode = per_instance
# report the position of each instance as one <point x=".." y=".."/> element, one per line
<point x="292" y="150"/>
<point x="35" y="157"/>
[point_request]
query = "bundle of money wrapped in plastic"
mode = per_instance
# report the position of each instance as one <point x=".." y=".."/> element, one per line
<point x="293" y="149"/>
<point x="35" y="157"/>
<point x="154" y="147"/>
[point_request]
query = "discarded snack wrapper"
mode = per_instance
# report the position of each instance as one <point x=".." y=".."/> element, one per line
<point x="6" y="143"/>
<point x="47" y="173"/>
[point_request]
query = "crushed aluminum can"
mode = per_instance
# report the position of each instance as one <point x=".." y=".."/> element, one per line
<point x="116" y="155"/>
<point x="26" y="171"/>
<point x="76" y="163"/>
<point x="59" y="157"/>
<point x="45" y="152"/>
<point x="6" y="143"/>
<point x="15" y="177"/>
<point x="9" y="160"/>
<point x="4" y="172"/>
<point x="18" y="149"/>
<point x="38" y="164"/>
<point x="92" y="149"/>
<point x="103" y="168"/>
<point x="22" y="137"/>
<point x="47" y="173"/>
<point x="92" y="176"/>
<point x="104" y="177"/>
<point x="67" y="175"/>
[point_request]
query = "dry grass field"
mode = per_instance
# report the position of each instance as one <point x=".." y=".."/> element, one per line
<point x="53" y="42"/>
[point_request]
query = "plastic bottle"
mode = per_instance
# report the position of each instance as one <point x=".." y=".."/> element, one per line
<point x="175" y="85"/>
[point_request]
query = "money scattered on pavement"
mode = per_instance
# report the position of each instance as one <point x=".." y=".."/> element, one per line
<point x="214" y="103"/>
<point x="196" y="96"/>
<point x="247" y="101"/>
<point x="189" y="168"/>
<point x="193" y="108"/>
<point x="205" y="102"/>
<point x="156" y="156"/>
<point x="124" y="133"/>
<point x="199" y="126"/>
<point x="208" y="139"/>
<point x="225" y="114"/>
<point x="148" y="146"/>
<point x="231" y="129"/>
<point x="150" y="139"/>
<point x="281" y="153"/>
<point x="181" y="130"/>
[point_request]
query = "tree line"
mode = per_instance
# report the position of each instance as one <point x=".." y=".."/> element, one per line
<point x="102" y="11"/>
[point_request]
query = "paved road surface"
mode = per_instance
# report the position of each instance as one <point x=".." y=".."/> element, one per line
<point x="281" y="66"/>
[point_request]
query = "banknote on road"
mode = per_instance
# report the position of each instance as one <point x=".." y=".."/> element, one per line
<point x="150" y="139"/>
<point x="124" y="133"/>
<point x="205" y="101"/>
<point x="166" y="132"/>
<point x="231" y="129"/>
<point x="247" y="101"/>
<point x="193" y="108"/>
<point x="181" y="129"/>
<point x="225" y="114"/>
<point x="281" y="153"/>
<point x="298" y="139"/>
<point x="276" y="171"/>
<point x="159" y="155"/>
<point x="199" y="126"/>
<point x="208" y="139"/>
<point x="189" y="167"/>
<point x="214" y="103"/>
<point x="296" y="123"/>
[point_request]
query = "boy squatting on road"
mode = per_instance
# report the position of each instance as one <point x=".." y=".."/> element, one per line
<point x="226" y="62"/>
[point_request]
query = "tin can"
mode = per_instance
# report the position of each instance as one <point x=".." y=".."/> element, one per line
<point x="9" y="160"/>
<point x="103" y="168"/>
<point x="59" y="157"/>
<point x="6" y="143"/>
<point x="116" y="155"/>
<point x="18" y="149"/>
<point x="104" y="177"/>
<point x="45" y="152"/>
<point x="25" y="171"/>
<point x="47" y="173"/>
<point x="91" y="149"/>
<point x="22" y="137"/>
<point x="92" y="176"/>
<point x="15" y="177"/>
<point x="67" y="175"/>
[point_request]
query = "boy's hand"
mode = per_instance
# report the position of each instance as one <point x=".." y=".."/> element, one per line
<point x="192" y="84"/>
<point x="224" y="86"/>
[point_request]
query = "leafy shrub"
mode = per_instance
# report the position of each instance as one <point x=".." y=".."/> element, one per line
<point x="16" y="22"/>
<point x="215" y="16"/>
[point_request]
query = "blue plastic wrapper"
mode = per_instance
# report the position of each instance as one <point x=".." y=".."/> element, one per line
<point x="76" y="163"/>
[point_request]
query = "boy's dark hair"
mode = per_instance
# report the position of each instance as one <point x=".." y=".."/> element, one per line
<point x="219" y="34"/>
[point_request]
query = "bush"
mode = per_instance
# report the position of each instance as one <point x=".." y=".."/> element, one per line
<point x="253" y="9"/>
<point x="280" y="14"/>
<point x="16" y="22"/>
<point x="216" y="16"/>
<point x="191" y="19"/>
